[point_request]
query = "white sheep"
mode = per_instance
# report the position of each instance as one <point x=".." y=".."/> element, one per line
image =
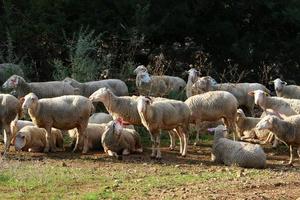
<point x="117" y="86"/>
<point x="65" y="112"/>
<point x="212" y="106"/>
<point x="41" y="89"/>
<point x="230" y="152"/>
<point x="280" y="105"/>
<point x="286" y="91"/>
<point x="239" y="90"/>
<point x="157" y="85"/>
<point x="8" y="69"/>
<point x="16" y="125"/>
<point x="99" y="118"/>
<point x="10" y="109"/>
<point x="164" y="115"/>
<point x="117" y="140"/>
<point x="287" y="130"/>
<point x="33" y="139"/>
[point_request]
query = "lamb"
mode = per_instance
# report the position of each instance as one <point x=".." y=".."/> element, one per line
<point x="157" y="85"/>
<point x="239" y="90"/>
<point x="33" y="139"/>
<point x="212" y="106"/>
<point x="164" y="115"/>
<point x="286" y="91"/>
<point x="41" y="89"/>
<point x="280" y="105"/>
<point x="94" y="133"/>
<point x="99" y="118"/>
<point x="117" y="140"/>
<point x="117" y="86"/>
<point x="65" y="112"/>
<point x="10" y="109"/>
<point x="287" y="130"/>
<point x="230" y="152"/>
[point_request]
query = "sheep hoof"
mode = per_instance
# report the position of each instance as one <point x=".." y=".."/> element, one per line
<point x="125" y="152"/>
<point x="140" y="150"/>
<point x="197" y="143"/>
<point x="152" y="157"/>
<point x="183" y="155"/>
<point x="171" y="148"/>
<point x="290" y="164"/>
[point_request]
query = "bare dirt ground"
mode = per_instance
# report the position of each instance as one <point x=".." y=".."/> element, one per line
<point x="277" y="181"/>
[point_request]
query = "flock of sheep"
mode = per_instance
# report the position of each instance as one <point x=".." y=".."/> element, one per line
<point x="67" y="107"/>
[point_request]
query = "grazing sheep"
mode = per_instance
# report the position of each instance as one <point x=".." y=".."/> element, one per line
<point x="65" y="112"/>
<point x="286" y="91"/>
<point x="33" y="139"/>
<point x="117" y="86"/>
<point x="117" y="140"/>
<point x="280" y="105"/>
<point x="164" y="115"/>
<point x="16" y="125"/>
<point x="8" y="69"/>
<point x="246" y="130"/>
<point x="94" y="133"/>
<point x="99" y="118"/>
<point x="287" y="130"/>
<point x="239" y="90"/>
<point x="212" y="106"/>
<point x="230" y="152"/>
<point x="41" y="89"/>
<point x="10" y="109"/>
<point x="157" y="85"/>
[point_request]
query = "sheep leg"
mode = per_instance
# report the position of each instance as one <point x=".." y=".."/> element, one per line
<point x="180" y="139"/>
<point x="197" y="140"/>
<point x="291" y="156"/>
<point x="157" y="141"/>
<point x="153" y="154"/>
<point x="298" y="151"/>
<point x="172" y="140"/>
<point x="8" y="139"/>
<point x="184" y="143"/>
<point x="49" y="141"/>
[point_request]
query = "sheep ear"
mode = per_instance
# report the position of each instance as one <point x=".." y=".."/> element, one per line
<point x="211" y="130"/>
<point x="271" y="82"/>
<point x="251" y="93"/>
<point x="284" y="83"/>
<point x="267" y="94"/>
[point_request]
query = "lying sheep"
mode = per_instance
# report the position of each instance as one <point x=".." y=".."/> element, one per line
<point x="10" y="109"/>
<point x="16" y="125"/>
<point x="157" y="85"/>
<point x="212" y="106"/>
<point x="164" y="115"/>
<point x="65" y="112"/>
<point x="239" y="90"/>
<point x="41" y="89"/>
<point x="286" y="91"/>
<point x="117" y="86"/>
<point x="287" y="130"/>
<point x="231" y="152"/>
<point x="245" y="127"/>
<point x="33" y="139"/>
<point x="94" y="133"/>
<point x="117" y="140"/>
<point x="280" y="105"/>
<point x="99" y="118"/>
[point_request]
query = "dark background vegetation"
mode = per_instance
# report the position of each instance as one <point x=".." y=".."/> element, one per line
<point x="231" y="40"/>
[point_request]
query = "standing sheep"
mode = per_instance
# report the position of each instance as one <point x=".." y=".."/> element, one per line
<point x="65" y="112"/>
<point x="164" y="115"/>
<point x="287" y="130"/>
<point x="286" y="91"/>
<point x="41" y="89"/>
<point x="117" y="140"/>
<point x="212" y="106"/>
<point x="8" y="69"/>
<point x="10" y="109"/>
<point x="117" y="86"/>
<point x="231" y="152"/>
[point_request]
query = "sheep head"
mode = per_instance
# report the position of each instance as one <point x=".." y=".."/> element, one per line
<point x="219" y="131"/>
<point x="30" y="100"/>
<point x="240" y="113"/>
<point x="100" y="95"/>
<point x="193" y="74"/>
<point x="279" y="84"/>
<point x="20" y="141"/>
<point x="259" y="97"/>
<point x="12" y="82"/>
<point x="72" y="82"/>
<point x="140" y="68"/>
<point x="142" y="103"/>
<point x="144" y="77"/>
<point x="265" y="123"/>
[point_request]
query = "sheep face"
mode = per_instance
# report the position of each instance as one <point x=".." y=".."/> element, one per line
<point x="259" y="97"/>
<point x="142" y="103"/>
<point x="140" y="68"/>
<point x="100" y="95"/>
<point x="29" y="100"/>
<point x="219" y="131"/>
<point x="265" y="123"/>
<point x="111" y="134"/>
<point x="12" y="82"/>
<point x="279" y="84"/>
<point x="193" y="74"/>
<point x="20" y="141"/>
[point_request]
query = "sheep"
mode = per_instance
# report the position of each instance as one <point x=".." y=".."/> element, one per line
<point x="286" y="91"/>
<point x="124" y="107"/>
<point x="33" y="139"/>
<point x="16" y="125"/>
<point x="157" y="85"/>
<point x="245" y="127"/>
<point x="65" y="112"/>
<point x="164" y="115"/>
<point x="8" y="69"/>
<point x="287" y="130"/>
<point x="94" y="133"/>
<point x="41" y="89"/>
<point x="99" y="118"/>
<point x="230" y="152"/>
<point x="239" y="90"/>
<point x="117" y="86"/>
<point x="117" y="140"/>
<point x="280" y="105"/>
<point x="10" y="109"/>
<point x="212" y="106"/>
